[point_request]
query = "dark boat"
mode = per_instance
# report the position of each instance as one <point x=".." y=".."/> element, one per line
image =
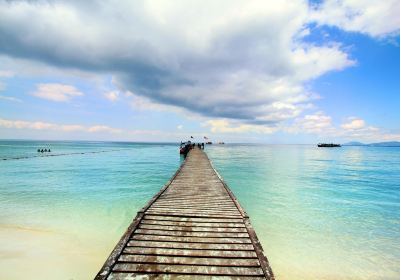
<point x="331" y="145"/>
<point x="209" y="143"/>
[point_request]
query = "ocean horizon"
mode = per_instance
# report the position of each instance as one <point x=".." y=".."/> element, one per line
<point x="319" y="213"/>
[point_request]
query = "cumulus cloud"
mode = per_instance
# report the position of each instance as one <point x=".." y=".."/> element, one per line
<point x="236" y="60"/>
<point x="242" y="63"/>
<point x="56" y="92"/>
<point x="317" y="123"/>
<point x="9" y="98"/>
<point x="373" y="17"/>
<point x="353" y="128"/>
<point x="103" y="128"/>
<point x="39" y="125"/>
<point x="6" y="74"/>
<point x="358" y="128"/>
<point x="354" y="124"/>
<point x="229" y="126"/>
<point x="112" y="95"/>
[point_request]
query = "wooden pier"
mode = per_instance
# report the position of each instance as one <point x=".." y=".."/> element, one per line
<point x="194" y="228"/>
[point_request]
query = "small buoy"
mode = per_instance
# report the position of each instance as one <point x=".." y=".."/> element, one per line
<point x="38" y="150"/>
<point x="49" y="151"/>
<point x="41" y="151"/>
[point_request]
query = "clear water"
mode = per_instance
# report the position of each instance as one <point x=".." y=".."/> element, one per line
<point x="319" y="213"/>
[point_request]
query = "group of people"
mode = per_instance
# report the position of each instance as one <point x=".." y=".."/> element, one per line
<point x="200" y="146"/>
<point x="43" y="150"/>
<point x="185" y="147"/>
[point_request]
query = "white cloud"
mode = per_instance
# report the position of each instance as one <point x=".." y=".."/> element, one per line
<point x="103" y="128"/>
<point x="112" y="95"/>
<point x="356" y="128"/>
<point x="10" y="98"/>
<point x="6" y="74"/>
<point x="228" y="59"/>
<point x="94" y="131"/>
<point x="244" y="64"/>
<point x="374" y="17"/>
<point x="391" y="137"/>
<point x="56" y="92"/>
<point x="39" y="125"/>
<point x="354" y="124"/>
<point x="317" y="123"/>
<point x="228" y="126"/>
<point x="322" y="126"/>
<point x="179" y="127"/>
<point x="2" y="86"/>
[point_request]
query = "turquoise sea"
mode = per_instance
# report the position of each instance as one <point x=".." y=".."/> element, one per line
<point x="319" y="213"/>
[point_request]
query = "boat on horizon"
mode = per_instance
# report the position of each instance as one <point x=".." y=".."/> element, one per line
<point x="330" y="145"/>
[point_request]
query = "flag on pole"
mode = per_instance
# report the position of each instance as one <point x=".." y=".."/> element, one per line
<point x="191" y="137"/>
<point x="205" y="137"/>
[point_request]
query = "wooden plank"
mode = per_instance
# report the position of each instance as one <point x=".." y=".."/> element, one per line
<point x="195" y="211"/>
<point x="194" y="203"/>
<point x="192" y="229"/>
<point x="198" y="246"/>
<point x="253" y="262"/>
<point x="176" y="276"/>
<point x="217" y="240"/>
<point x="188" y="269"/>
<point x="192" y="224"/>
<point x="192" y="219"/>
<point x="192" y="233"/>
<point x="214" y="198"/>
<point x="189" y="252"/>
<point x="197" y="208"/>
<point x="191" y="214"/>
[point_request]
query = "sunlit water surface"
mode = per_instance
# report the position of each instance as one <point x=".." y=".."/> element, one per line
<point x="319" y="213"/>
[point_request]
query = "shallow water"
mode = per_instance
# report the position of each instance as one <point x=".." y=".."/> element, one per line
<point x="319" y="213"/>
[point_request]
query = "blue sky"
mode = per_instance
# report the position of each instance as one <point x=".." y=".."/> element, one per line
<point x="236" y="71"/>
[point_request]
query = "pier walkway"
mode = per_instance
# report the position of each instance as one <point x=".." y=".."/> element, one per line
<point x="194" y="228"/>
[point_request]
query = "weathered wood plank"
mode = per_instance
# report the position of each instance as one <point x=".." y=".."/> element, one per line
<point x="193" y="219"/>
<point x="189" y="252"/>
<point x="193" y="229"/>
<point x="192" y="233"/>
<point x="189" y="269"/>
<point x="197" y="207"/>
<point x="176" y="276"/>
<point x="253" y="262"/>
<point x="199" y="246"/>
<point x="192" y="224"/>
<point x="191" y="214"/>
<point x="191" y="239"/>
